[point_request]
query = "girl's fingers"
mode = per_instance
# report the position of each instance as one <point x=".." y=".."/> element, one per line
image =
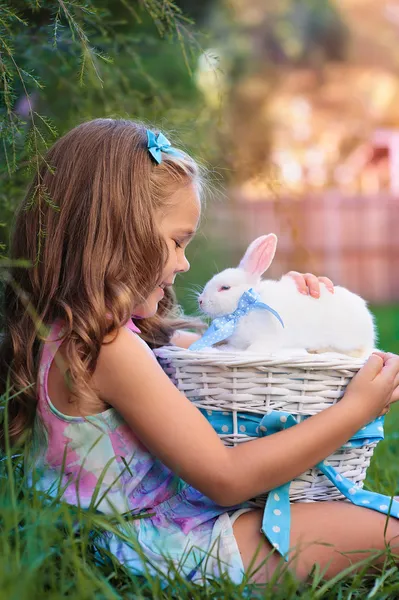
<point x="299" y="281"/>
<point x="385" y="355"/>
<point x="380" y="353"/>
<point x="313" y="284"/>
<point x="307" y="283"/>
<point x="391" y="365"/>
<point x="391" y="362"/>
<point x="395" y="396"/>
<point x="328" y="283"/>
<point x="372" y="367"/>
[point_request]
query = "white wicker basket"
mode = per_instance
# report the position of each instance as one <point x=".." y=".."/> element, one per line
<point x="223" y="381"/>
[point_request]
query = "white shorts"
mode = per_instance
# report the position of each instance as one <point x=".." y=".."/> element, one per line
<point x="224" y="556"/>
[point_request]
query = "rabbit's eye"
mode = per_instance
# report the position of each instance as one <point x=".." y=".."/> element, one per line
<point x="224" y="288"/>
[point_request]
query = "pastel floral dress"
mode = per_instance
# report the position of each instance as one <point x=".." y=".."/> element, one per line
<point x="101" y="453"/>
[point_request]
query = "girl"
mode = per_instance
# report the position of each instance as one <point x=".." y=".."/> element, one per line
<point x="106" y="224"/>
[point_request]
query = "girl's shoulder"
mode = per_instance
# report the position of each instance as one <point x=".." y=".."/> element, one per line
<point x="122" y="356"/>
<point x="123" y="343"/>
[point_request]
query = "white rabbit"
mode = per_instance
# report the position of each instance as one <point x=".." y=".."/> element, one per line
<point x="339" y="322"/>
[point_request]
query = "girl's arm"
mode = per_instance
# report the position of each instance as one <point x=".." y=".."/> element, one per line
<point x="129" y="378"/>
<point x="184" y="339"/>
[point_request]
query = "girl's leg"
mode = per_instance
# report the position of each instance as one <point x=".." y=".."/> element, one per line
<point x="320" y="533"/>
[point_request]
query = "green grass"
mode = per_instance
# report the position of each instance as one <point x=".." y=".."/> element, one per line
<point x="51" y="550"/>
<point x="48" y="550"/>
<point x="387" y="321"/>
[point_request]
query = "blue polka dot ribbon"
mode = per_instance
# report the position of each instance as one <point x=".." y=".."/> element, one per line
<point x="276" y="517"/>
<point x="158" y="143"/>
<point x="223" y="327"/>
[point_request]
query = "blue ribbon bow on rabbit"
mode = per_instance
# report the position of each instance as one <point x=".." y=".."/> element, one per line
<point x="223" y="327"/>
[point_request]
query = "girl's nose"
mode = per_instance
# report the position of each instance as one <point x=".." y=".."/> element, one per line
<point x="184" y="265"/>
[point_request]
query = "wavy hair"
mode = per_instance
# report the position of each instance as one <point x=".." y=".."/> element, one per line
<point x="87" y="228"/>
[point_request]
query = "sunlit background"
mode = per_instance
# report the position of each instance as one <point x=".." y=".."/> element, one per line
<point x="307" y="93"/>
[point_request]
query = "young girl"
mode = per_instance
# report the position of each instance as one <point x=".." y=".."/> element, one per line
<point x="105" y="226"/>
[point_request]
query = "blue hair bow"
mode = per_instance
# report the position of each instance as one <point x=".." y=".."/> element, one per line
<point x="158" y="143"/>
<point x="223" y="327"/>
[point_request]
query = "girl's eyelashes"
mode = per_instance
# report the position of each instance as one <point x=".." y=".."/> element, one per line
<point x="184" y="242"/>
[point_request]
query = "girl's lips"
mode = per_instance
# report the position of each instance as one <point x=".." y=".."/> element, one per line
<point x="163" y="286"/>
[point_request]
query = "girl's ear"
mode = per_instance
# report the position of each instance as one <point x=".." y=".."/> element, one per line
<point x="259" y="255"/>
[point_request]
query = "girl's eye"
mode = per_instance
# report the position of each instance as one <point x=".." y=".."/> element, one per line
<point x="177" y="244"/>
<point x="224" y="288"/>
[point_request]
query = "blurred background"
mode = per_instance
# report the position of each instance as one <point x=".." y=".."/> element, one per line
<point x="291" y="105"/>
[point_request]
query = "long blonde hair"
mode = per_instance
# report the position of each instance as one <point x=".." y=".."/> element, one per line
<point x="87" y="227"/>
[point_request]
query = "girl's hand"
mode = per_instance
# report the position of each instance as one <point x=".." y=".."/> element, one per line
<point x="395" y="394"/>
<point x="307" y="283"/>
<point x="376" y="386"/>
<point x="184" y="339"/>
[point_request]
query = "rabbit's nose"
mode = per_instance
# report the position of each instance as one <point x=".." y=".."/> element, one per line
<point x="200" y="301"/>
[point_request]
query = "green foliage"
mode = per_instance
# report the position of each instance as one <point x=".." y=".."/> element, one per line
<point x="63" y="62"/>
<point x="304" y="32"/>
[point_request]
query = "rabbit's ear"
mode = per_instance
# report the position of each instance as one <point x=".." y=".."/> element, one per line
<point x="259" y="255"/>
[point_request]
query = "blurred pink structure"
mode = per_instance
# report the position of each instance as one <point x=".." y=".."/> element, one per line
<point x="373" y="166"/>
<point x="353" y="240"/>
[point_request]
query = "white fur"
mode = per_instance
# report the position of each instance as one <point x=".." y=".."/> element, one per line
<point x="339" y="322"/>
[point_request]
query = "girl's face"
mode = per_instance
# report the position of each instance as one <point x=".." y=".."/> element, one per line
<point x="177" y="226"/>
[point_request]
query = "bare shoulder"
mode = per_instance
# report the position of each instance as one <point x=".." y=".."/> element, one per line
<point x="121" y="341"/>
<point x="123" y="360"/>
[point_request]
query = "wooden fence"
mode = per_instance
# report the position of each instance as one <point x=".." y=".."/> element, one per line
<point x="352" y="240"/>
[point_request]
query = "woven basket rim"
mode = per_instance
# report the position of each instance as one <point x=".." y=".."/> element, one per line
<point x="247" y="359"/>
<point x="203" y="375"/>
